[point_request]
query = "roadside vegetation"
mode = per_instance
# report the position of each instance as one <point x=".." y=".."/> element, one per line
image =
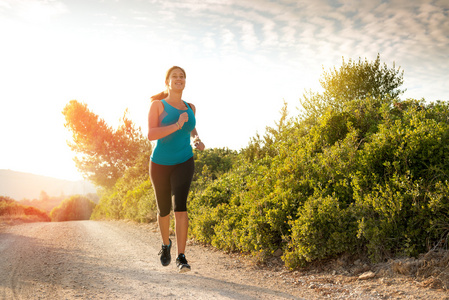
<point x="13" y="211"/>
<point x="357" y="170"/>
<point x="47" y="203"/>
<point x="72" y="209"/>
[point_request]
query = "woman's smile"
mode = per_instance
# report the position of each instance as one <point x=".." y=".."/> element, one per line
<point x="177" y="79"/>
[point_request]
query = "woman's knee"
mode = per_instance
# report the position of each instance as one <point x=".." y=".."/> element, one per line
<point x="181" y="215"/>
<point x="163" y="212"/>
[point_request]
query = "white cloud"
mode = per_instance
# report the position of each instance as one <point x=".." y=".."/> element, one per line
<point x="208" y="42"/>
<point x="5" y="5"/>
<point x="248" y="35"/>
<point x="288" y="36"/>
<point x="227" y="37"/>
<point x="414" y="33"/>
<point x="29" y="10"/>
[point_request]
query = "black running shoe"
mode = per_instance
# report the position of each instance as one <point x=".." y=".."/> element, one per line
<point x="165" y="254"/>
<point x="181" y="263"/>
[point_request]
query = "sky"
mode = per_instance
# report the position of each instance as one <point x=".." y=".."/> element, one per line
<point x="243" y="59"/>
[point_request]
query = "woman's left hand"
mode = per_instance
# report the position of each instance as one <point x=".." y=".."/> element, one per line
<point x="198" y="143"/>
<point x="200" y="146"/>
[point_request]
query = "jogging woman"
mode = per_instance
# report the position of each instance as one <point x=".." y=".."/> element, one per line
<point x="171" y="121"/>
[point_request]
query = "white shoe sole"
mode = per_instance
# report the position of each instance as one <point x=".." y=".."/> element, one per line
<point x="184" y="270"/>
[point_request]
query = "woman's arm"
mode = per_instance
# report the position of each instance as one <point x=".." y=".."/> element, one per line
<point x="196" y="140"/>
<point x="194" y="134"/>
<point x="154" y="131"/>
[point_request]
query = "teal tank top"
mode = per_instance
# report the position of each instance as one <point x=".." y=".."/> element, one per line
<point x="174" y="148"/>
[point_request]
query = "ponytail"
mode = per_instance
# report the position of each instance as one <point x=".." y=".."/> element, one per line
<point x="160" y="96"/>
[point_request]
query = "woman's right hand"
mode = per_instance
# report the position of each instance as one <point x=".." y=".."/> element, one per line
<point x="184" y="117"/>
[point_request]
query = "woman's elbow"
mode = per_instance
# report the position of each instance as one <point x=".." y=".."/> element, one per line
<point x="152" y="136"/>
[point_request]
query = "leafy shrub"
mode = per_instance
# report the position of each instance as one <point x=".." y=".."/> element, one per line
<point x="366" y="174"/>
<point x="74" y="208"/>
<point x="9" y="207"/>
<point x="213" y="162"/>
<point x="139" y="204"/>
<point x="134" y="202"/>
<point x="322" y="229"/>
<point x="346" y="184"/>
<point x="208" y="203"/>
<point x="131" y="197"/>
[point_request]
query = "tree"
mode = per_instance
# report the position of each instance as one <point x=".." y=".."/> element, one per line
<point x="104" y="154"/>
<point x="43" y="196"/>
<point x="353" y="81"/>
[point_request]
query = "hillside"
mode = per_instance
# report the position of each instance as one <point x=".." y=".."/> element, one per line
<point x="19" y="185"/>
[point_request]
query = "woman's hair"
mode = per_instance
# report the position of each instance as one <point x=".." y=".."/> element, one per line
<point x="164" y="94"/>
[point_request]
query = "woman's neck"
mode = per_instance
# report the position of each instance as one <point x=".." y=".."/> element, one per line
<point x="174" y="97"/>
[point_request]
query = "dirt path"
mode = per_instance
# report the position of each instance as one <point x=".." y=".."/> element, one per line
<point x="118" y="260"/>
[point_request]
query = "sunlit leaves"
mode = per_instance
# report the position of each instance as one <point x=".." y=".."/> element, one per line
<point x="352" y="81"/>
<point x="103" y="154"/>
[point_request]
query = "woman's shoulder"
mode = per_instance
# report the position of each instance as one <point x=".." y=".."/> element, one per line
<point x="157" y="104"/>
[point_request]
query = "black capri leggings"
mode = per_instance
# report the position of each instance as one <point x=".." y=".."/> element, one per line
<point x="171" y="183"/>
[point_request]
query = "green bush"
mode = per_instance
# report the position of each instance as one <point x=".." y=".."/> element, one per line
<point x="323" y="229"/>
<point x="213" y="162"/>
<point x="132" y="197"/>
<point x="74" y="208"/>
<point x="139" y="203"/>
<point x="347" y="184"/>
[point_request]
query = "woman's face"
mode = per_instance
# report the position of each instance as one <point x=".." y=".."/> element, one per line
<point x="177" y="80"/>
